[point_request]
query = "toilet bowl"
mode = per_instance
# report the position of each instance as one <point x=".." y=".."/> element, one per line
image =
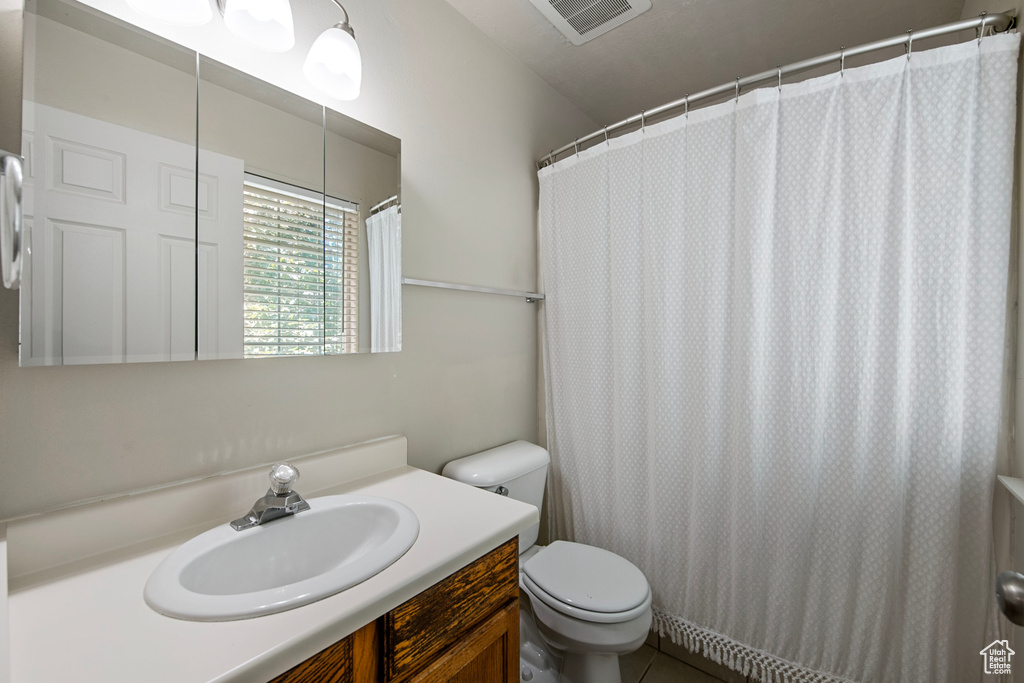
<point x="590" y="605"/>
<point x="581" y="606"/>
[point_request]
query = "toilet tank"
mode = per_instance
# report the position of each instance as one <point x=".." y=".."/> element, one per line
<point x="520" y="467"/>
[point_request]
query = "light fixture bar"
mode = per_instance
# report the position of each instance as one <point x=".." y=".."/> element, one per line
<point x="179" y="12"/>
<point x="267" y="24"/>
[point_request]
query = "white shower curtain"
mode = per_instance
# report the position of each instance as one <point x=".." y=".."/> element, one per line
<point x="384" y="251"/>
<point x="773" y="349"/>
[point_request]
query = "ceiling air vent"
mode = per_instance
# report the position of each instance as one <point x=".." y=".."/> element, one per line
<point x="583" y="20"/>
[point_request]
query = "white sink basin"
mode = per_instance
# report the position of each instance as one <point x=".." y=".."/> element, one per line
<point x="225" y="574"/>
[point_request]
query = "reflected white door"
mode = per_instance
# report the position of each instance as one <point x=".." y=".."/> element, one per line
<point x="112" y="245"/>
<point x="221" y="245"/>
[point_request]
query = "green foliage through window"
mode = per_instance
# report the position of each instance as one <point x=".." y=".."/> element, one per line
<point x="300" y="270"/>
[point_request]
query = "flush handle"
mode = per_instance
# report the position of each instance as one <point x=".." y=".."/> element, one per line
<point x="501" y="491"/>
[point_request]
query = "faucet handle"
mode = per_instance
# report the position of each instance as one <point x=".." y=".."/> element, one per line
<point x="282" y="477"/>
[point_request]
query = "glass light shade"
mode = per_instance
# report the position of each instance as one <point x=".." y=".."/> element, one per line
<point x="333" y="64"/>
<point x="180" y="12"/>
<point x="264" y="23"/>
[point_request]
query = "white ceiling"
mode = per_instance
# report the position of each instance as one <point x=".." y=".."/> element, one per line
<point x="681" y="46"/>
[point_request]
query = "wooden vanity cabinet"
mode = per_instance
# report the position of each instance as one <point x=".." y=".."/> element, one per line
<point x="463" y="629"/>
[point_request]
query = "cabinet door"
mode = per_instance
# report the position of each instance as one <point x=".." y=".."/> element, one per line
<point x="463" y="629"/>
<point x="421" y="629"/>
<point x="350" y="660"/>
<point x="487" y="654"/>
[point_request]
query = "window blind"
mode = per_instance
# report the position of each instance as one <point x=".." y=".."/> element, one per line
<point x="300" y="271"/>
<point x="342" y="274"/>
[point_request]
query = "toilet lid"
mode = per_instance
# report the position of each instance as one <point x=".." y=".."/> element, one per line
<point x="587" y="577"/>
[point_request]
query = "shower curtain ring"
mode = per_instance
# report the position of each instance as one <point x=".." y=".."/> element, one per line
<point x="910" y="41"/>
<point x="737" y="87"/>
<point x="643" y="120"/>
<point x="842" y="60"/>
<point x="686" y="105"/>
<point x="981" y="29"/>
<point x="780" y="78"/>
<point x="576" y="146"/>
<point x="606" y="135"/>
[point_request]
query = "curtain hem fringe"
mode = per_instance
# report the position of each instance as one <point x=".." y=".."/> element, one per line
<point x="749" y="661"/>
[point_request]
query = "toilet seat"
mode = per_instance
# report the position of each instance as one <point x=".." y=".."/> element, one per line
<point x="536" y="591"/>
<point x="587" y="583"/>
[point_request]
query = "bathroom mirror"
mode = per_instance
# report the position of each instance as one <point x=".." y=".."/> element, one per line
<point x="363" y="165"/>
<point x="295" y="185"/>
<point x="261" y="157"/>
<point x="109" y="144"/>
<point x="287" y="243"/>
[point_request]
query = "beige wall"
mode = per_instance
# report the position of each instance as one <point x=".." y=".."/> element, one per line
<point x="472" y="122"/>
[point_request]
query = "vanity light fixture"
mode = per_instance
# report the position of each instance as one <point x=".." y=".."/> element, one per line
<point x="264" y="23"/>
<point x="180" y="12"/>
<point x="333" y="64"/>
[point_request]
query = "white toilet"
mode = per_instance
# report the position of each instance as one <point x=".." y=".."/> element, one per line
<point x="587" y="605"/>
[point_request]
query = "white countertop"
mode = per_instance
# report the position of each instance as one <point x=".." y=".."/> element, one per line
<point x="93" y="625"/>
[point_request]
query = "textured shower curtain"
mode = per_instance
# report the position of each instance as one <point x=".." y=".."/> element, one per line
<point x="384" y="252"/>
<point x="774" y="343"/>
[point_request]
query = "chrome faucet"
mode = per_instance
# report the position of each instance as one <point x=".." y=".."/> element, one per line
<point x="280" y="500"/>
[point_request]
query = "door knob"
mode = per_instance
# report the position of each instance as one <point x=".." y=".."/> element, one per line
<point x="1010" y="596"/>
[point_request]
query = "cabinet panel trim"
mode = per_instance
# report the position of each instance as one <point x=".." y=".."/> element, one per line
<point x="425" y="625"/>
<point x="502" y="624"/>
<point x="350" y="660"/>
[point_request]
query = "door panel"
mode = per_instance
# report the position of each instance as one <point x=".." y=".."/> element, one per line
<point x="116" y="268"/>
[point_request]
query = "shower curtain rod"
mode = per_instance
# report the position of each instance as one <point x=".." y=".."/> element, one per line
<point x="386" y="204"/>
<point x="999" y="23"/>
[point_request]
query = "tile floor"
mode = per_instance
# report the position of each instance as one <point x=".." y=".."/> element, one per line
<point x="662" y="661"/>
<point x="648" y="665"/>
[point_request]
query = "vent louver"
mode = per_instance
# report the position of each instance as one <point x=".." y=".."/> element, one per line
<point x="583" y="20"/>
